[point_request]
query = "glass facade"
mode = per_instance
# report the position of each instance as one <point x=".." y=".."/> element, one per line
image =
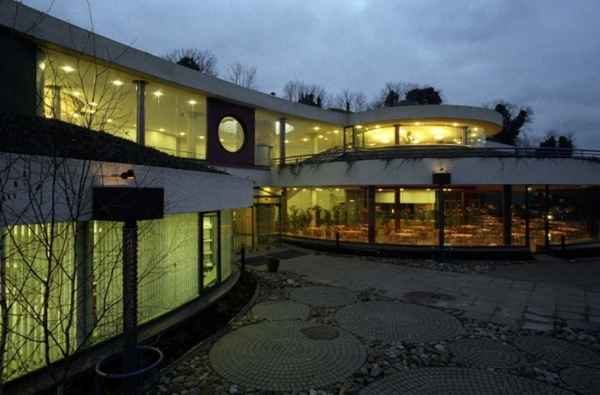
<point x="418" y="133"/>
<point x="84" y="305"/>
<point x="94" y="95"/>
<point x="305" y="137"/>
<point x="87" y="93"/>
<point x="175" y="120"/>
<point x="474" y="216"/>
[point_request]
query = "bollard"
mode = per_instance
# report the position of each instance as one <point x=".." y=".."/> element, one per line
<point x="243" y="259"/>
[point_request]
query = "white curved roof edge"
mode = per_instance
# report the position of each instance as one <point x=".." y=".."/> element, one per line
<point x="54" y="31"/>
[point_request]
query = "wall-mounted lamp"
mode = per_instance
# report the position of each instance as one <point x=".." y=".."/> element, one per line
<point x="128" y="175"/>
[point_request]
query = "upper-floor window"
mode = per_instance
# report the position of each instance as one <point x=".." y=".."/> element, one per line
<point x="231" y="134"/>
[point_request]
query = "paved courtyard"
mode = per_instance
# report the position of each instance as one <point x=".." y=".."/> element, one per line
<point x="530" y="296"/>
<point x="331" y="325"/>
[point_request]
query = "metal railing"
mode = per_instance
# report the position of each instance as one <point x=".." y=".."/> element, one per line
<point x="388" y="153"/>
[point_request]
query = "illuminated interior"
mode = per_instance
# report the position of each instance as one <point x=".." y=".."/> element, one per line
<point x="473" y="215"/>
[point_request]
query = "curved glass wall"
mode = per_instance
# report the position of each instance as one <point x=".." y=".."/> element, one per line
<point x="418" y="133"/>
<point x="474" y="216"/>
<point x="78" y="301"/>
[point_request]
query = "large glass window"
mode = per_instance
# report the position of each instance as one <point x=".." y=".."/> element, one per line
<point x="419" y="133"/>
<point x="304" y="137"/>
<point x="175" y="121"/>
<point x="227" y="252"/>
<point x="405" y="216"/>
<point x="266" y="137"/>
<point x="324" y="213"/>
<point x="473" y="216"/>
<point x="87" y="93"/>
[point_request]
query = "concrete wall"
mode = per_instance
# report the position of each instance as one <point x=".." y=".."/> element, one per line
<point x="38" y="189"/>
<point x="465" y="171"/>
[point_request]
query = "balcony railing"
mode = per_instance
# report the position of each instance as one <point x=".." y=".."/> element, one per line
<point x="388" y="153"/>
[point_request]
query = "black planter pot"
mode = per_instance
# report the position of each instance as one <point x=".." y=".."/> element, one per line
<point x="112" y="380"/>
<point x="273" y="265"/>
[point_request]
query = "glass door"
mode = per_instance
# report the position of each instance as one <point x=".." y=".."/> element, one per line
<point x="210" y="249"/>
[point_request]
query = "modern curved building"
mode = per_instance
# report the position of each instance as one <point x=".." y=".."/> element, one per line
<point x="412" y="178"/>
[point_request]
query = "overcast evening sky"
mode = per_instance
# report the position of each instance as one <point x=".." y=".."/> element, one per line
<point x="545" y="54"/>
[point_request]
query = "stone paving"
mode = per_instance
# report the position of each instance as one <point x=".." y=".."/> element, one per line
<point x="486" y="353"/>
<point x="557" y="352"/>
<point x="361" y="336"/>
<point x="323" y="296"/>
<point x="442" y="381"/>
<point x="281" y="311"/>
<point x="279" y="356"/>
<point x="513" y="301"/>
<point x="394" y="322"/>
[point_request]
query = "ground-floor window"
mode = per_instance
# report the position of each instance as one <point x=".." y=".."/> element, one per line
<point x="66" y="279"/>
<point x="476" y="215"/>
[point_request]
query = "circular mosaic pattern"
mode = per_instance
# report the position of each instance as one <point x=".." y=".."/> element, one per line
<point x="280" y="311"/>
<point x="323" y="296"/>
<point x="486" y="353"/>
<point x="442" y="381"/>
<point x="277" y="356"/>
<point x="394" y="321"/>
<point x="582" y="379"/>
<point x="560" y="353"/>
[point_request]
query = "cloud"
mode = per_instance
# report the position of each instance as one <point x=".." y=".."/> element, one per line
<point x="538" y="53"/>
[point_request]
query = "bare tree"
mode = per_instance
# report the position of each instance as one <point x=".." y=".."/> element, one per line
<point x="201" y="60"/>
<point x="350" y="101"/>
<point x="242" y="75"/>
<point x="301" y="92"/>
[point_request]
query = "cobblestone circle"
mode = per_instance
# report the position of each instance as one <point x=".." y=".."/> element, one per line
<point x="395" y="321"/>
<point x="277" y="356"/>
<point x="582" y="379"/>
<point x="559" y="353"/>
<point x="434" y="381"/>
<point x="323" y="296"/>
<point x="486" y="353"/>
<point x="280" y="311"/>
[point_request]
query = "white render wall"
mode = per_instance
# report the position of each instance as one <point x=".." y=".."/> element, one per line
<point x="464" y="171"/>
<point x="40" y="189"/>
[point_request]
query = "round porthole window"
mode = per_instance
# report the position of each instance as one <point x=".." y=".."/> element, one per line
<point x="231" y="134"/>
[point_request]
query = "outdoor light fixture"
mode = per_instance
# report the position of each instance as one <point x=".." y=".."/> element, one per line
<point x="128" y="175"/>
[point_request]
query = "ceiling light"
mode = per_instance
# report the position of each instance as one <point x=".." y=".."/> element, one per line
<point x="417" y="123"/>
<point x="377" y="126"/>
<point x="201" y="137"/>
<point x="161" y="129"/>
<point x="109" y="120"/>
<point x="42" y="66"/>
<point x="192" y="102"/>
<point x="359" y="127"/>
<point x="76" y="93"/>
<point x="182" y="133"/>
<point x="67" y="69"/>
<point x="455" y="124"/>
<point x="287" y="141"/>
<point x="476" y="129"/>
<point x="158" y="93"/>
<point x="117" y="83"/>
<point x="316" y="128"/>
<point x="336" y="131"/>
<point x="320" y="136"/>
